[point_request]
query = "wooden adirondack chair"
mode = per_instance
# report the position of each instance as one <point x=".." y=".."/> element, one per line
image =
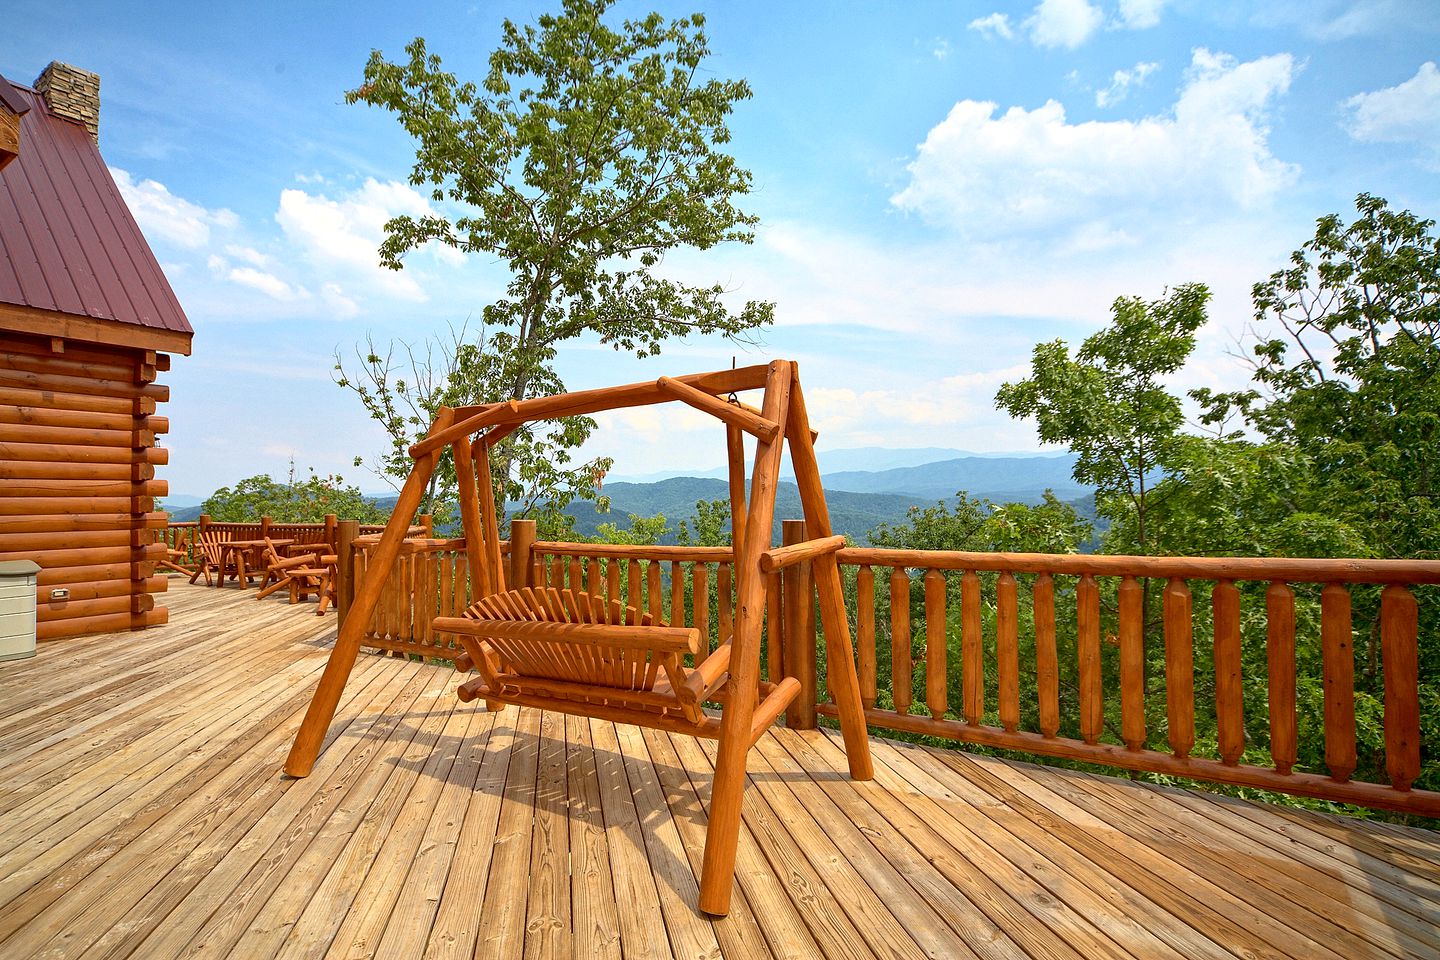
<point x="578" y="653"/>
<point x="211" y="557"/>
<point x="304" y="574"/>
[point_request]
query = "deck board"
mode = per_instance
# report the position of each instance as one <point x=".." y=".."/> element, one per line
<point x="146" y="816"/>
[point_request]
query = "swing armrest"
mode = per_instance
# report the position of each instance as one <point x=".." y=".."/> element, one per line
<point x="781" y="557"/>
<point x="707" y="676"/>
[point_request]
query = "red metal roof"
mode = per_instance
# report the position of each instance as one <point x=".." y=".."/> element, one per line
<point x="67" y="241"/>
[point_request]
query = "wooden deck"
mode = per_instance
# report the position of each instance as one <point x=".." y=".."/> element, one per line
<point x="142" y="813"/>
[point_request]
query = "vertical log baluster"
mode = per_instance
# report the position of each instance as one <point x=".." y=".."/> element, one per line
<point x="677" y="594"/>
<point x="900" y="639"/>
<point x="1007" y="650"/>
<point x="724" y="601"/>
<point x="1399" y="635"/>
<point x="654" y="600"/>
<point x="1087" y="629"/>
<point x="865" y="633"/>
<point x="634" y="586"/>
<point x="972" y="649"/>
<point x="774" y="628"/>
<point x="1047" y="662"/>
<point x="612" y="581"/>
<point x="1337" y="653"/>
<point x="700" y="600"/>
<point x="936" y="681"/>
<point x="1280" y="660"/>
<point x="1179" y="667"/>
<point x="593" y="577"/>
<point x="1132" y="663"/>
<point x="1229" y="693"/>
<point x="577" y="578"/>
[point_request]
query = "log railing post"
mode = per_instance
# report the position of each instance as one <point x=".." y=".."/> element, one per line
<point x="204" y="522"/>
<point x="799" y="588"/>
<point x="265" y="523"/>
<point x="522" y="542"/>
<point x="345" y="532"/>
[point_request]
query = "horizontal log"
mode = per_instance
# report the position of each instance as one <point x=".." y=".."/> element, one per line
<point x="84" y="386"/>
<point x="85" y="573"/>
<point x="83" y="488"/>
<point x="70" y="364"/>
<point x="36" y="506"/>
<point x="782" y="557"/>
<point x="751" y="423"/>
<point x="93" y="590"/>
<point x="81" y="419"/>
<point x="668" y="639"/>
<point x="19" y="395"/>
<point x="61" y="522"/>
<point x="12" y="541"/>
<point x="88" y="556"/>
<point x="75" y="436"/>
<point x="63" y="453"/>
<point x="55" y="470"/>
<point x="43" y="346"/>
<point x="1198" y="568"/>
<point x="1423" y="802"/>
<point x="469" y="420"/>
<point x="631" y="552"/>
<point x="101" y="623"/>
<point x="50" y="610"/>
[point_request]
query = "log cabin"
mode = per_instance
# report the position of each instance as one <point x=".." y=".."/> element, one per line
<point x="87" y="324"/>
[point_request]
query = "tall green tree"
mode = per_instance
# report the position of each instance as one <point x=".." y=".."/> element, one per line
<point x="587" y="153"/>
<point x="1107" y="403"/>
<point x="304" y="500"/>
<point x="1347" y="373"/>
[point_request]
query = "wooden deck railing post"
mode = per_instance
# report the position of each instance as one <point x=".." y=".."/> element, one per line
<point x="427" y="522"/>
<point x="345" y="533"/>
<point x="204" y="522"/>
<point x="265" y="523"/>
<point x="522" y="543"/>
<point x="799" y="612"/>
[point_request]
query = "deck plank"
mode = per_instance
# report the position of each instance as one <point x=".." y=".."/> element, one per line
<point x="147" y="817"/>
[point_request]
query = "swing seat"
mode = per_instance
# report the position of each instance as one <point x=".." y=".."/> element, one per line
<point x="578" y="653"/>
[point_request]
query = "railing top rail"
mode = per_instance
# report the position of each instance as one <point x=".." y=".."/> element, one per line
<point x="1302" y="570"/>
<point x="631" y="552"/>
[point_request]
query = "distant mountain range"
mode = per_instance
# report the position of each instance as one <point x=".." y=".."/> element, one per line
<point x="859" y="500"/>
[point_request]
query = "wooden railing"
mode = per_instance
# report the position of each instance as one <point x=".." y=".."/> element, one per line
<point x="1216" y="669"/>
<point x="182" y="536"/>
<point x="1039" y="635"/>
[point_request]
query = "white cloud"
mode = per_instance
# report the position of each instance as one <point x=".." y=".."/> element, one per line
<point x="161" y="213"/>
<point x="1334" y="20"/>
<point x="248" y="254"/>
<point x="1121" y="82"/>
<point x="941" y="49"/>
<point x="1140" y="14"/>
<point x="1408" y="112"/>
<point x="339" y="304"/>
<point x="343" y="235"/>
<point x="992" y="26"/>
<point x="1063" y="23"/>
<point x="267" y="283"/>
<point x="1032" y="170"/>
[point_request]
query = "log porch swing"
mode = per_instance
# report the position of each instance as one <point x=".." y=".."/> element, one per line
<point x="576" y="653"/>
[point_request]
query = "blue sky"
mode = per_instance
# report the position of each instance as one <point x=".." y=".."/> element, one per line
<point x="940" y="186"/>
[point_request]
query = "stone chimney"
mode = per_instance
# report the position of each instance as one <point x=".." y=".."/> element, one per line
<point x="72" y="93"/>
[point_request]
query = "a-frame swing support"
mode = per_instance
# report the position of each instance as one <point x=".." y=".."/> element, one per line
<point x="781" y="418"/>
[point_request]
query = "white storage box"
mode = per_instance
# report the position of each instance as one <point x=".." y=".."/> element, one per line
<point x="17" y="608"/>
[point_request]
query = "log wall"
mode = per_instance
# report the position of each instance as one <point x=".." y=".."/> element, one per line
<point x="78" y="425"/>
